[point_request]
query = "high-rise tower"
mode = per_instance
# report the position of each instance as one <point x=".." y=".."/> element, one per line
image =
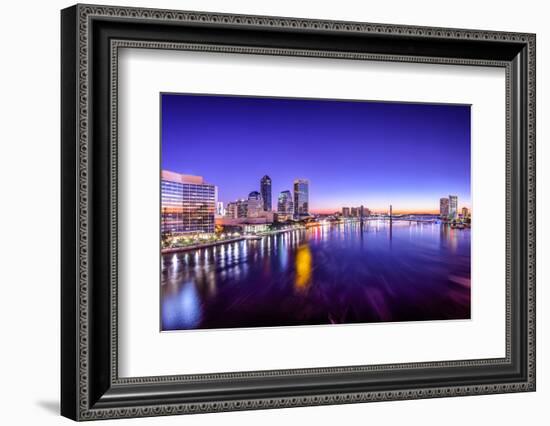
<point x="301" y="198"/>
<point x="265" y="189"/>
<point x="285" y="206"/>
<point x="444" y="208"/>
<point x="453" y="206"/>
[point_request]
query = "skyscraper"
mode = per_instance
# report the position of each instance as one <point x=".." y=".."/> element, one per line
<point x="265" y="189"/>
<point x="444" y="208"/>
<point x="301" y="198"/>
<point x="285" y="206"/>
<point x="188" y="204"/>
<point x="345" y="211"/>
<point x="241" y="208"/>
<point x="231" y="210"/>
<point x="254" y="204"/>
<point x="453" y="206"/>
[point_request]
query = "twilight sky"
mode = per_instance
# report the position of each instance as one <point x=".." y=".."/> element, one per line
<point x="353" y="153"/>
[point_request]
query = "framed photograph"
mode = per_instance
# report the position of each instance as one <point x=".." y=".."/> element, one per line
<point x="264" y="246"/>
<point x="263" y="212"/>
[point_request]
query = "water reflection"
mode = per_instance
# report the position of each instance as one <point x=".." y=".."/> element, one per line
<point x="346" y="273"/>
<point x="303" y="267"/>
<point x="182" y="310"/>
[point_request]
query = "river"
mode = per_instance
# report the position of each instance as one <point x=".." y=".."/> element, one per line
<point x="331" y="274"/>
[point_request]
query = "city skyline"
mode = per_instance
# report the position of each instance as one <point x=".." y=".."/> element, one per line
<point x="304" y="146"/>
<point x="262" y="205"/>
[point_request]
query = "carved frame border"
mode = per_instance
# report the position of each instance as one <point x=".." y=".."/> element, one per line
<point x="87" y="12"/>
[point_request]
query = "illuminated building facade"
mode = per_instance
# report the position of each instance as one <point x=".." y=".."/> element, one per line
<point x="241" y="208"/>
<point x="188" y="204"/>
<point x="285" y="206"/>
<point x="453" y="206"/>
<point x="301" y="198"/>
<point x="255" y="205"/>
<point x="231" y="210"/>
<point x="444" y="207"/>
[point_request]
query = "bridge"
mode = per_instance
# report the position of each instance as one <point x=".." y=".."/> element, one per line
<point x="395" y="219"/>
<point x="402" y="219"/>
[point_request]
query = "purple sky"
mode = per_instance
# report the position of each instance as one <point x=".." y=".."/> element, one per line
<point x="353" y="153"/>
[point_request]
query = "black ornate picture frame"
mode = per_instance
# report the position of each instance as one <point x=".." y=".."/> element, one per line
<point x="90" y="39"/>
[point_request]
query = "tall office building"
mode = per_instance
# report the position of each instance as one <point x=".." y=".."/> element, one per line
<point x="265" y="189"/>
<point x="285" y="206"/>
<point x="301" y="198"/>
<point x="231" y="210"/>
<point x="255" y="205"/>
<point x="453" y="206"/>
<point x="444" y="207"/>
<point x="354" y="212"/>
<point x="241" y="207"/>
<point x="465" y="212"/>
<point x="188" y="204"/>
<point x="345" y="211"/>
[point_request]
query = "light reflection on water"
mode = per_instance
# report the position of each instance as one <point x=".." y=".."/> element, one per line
<point x="344" y="273"/>
<point x="183" y="309"/>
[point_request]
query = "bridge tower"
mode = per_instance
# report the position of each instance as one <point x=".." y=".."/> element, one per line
<point x="391" y="223"/>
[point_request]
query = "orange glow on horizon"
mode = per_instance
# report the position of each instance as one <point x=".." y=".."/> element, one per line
<point x="386" y="210"/>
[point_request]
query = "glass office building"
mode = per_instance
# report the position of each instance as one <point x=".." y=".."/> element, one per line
<point x="285" y="206"/>
<point x="444" y="208"/>
<point x="265" y="188"/>
<point x="453" y="206"/>
<point x="254" y="204"/>
<point x="188" y="204"/>
<point x="301" y="198"/>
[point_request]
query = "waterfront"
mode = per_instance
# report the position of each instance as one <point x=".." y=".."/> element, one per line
<point x="331" y="274"/>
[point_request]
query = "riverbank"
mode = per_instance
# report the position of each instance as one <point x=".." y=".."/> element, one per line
<point x="201" y="245"/>
<point x="219" y="242"/>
